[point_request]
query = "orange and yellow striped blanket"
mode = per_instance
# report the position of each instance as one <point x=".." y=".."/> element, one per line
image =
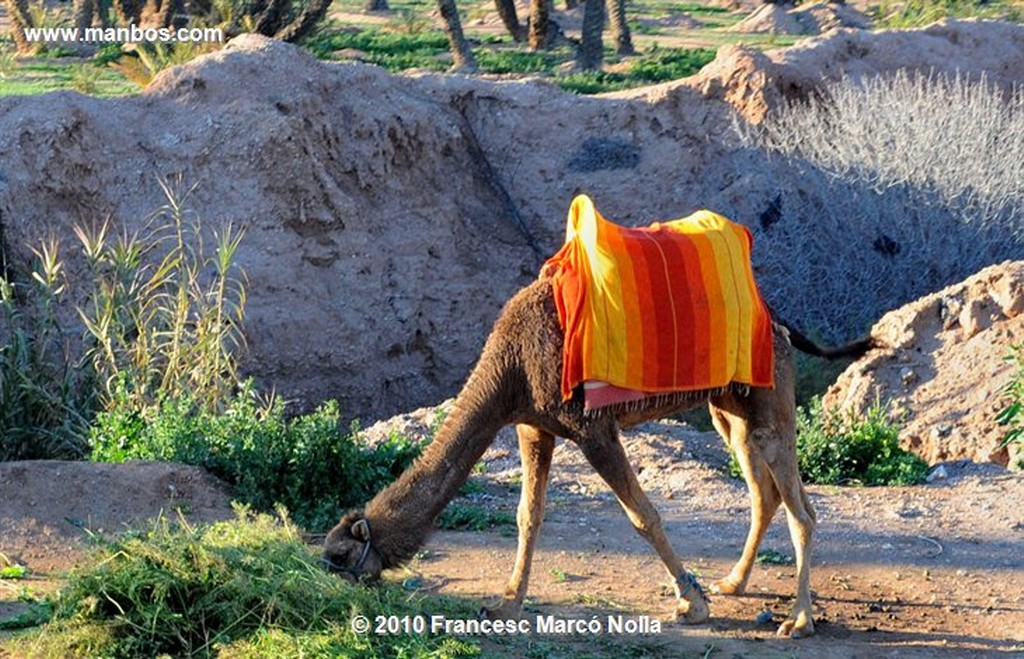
<point x="666" y="308"/>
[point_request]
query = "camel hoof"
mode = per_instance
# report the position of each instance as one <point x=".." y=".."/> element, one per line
<point x="692" y="613"/>
<point x="727" y="586"/>
<point x="799" y="627"/>
<point x="503" y="610"/>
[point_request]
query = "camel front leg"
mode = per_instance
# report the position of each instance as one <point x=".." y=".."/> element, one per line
<point x="535" y="449"/>
<point x="606" y="455"/>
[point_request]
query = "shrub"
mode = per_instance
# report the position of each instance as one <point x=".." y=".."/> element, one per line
<point x="246" y="587"/>
<point x="833" y="448"/>
<point x="873" y="215"/>
<point x="307" y="464"/>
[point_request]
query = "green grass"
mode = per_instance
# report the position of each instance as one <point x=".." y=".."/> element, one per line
<point x="459" y="516"/>
<point x="429" y="49"/>
<point x="33" y="76"/>
<point x="391" y="50"/>
<point x="248" y="587"/>
<point x="907" y="14"/>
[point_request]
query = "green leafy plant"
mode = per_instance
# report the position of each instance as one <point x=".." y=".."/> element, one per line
<point x="308" y="464"/>
<point x="245" y="587"/>
<point x="1012" y="416"/>
<point x="834" y="448"/>
<point x="559" y="575"/>
<point x="918" y="13"/>
<point x="662" y="64"/>
<point x="773" y="557"/>
<point x="13" y="572"/>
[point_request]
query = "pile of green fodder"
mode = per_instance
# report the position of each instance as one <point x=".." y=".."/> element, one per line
<point x="249" y="587"/>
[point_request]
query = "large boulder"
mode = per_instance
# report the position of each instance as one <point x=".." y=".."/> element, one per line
<point x="942" y="365"/>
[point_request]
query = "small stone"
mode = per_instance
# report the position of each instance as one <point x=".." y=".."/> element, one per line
<point x="937" y="474"/>
<point x="908" y="376"/>
<point x="764" y="618"/>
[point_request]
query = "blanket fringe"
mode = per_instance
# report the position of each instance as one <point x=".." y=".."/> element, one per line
<point x="667" y="399"/>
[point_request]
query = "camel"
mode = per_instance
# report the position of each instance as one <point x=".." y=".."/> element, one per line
<point x="517" y="381"/>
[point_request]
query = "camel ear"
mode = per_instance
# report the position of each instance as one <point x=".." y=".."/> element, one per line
<point x="361" y="530"/>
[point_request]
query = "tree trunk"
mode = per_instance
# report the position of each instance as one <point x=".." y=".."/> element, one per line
<point x="270" y="18"/>
<point x="163" y="13"/>
<point x="312" y="13"/>
<point x="509" y="17"/>
<point x="20" y="19"/>
<point x="591" y="51"/>
<point x="620" y="29"/>
<point x="571" y="4"/>
<point x="539" y="24"/>
<point x="101" y="12"/>
<point x="376" y="5"/>
<point x="463" y="56"/>
<point x="82" y="11"/>
<point x="128" y="11"/>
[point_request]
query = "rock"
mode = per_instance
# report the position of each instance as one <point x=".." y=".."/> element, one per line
<point x="944" y="379"/>
<point x="937" y="474"/>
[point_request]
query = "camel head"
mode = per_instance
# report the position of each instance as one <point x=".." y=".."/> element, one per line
<point x="348" y="549"/>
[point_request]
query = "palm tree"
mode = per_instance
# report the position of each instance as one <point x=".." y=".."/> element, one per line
<point x="509" y="17"/>
<point x="539" y="24"/>
<point x="620" y="29"/>
<point x="21" y="18"/>
<point x="463" y="56"/>
<point x="591" y="51"/>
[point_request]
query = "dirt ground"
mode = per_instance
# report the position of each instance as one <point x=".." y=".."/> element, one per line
<point x="928" y="571"/>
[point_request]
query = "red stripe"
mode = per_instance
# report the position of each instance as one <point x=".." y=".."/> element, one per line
<point x="698" y="345"/>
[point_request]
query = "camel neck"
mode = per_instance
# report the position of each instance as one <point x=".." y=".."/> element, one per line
<point x="403" y="515"/>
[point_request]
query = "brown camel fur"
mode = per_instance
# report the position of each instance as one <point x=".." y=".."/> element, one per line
<point x="517" y="380"/>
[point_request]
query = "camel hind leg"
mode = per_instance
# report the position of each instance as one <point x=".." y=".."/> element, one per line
<point x="761" y="428"/>
<point x="603" y="451"/>
<point x="535" y="449"/>
<point x="764" y="501"/>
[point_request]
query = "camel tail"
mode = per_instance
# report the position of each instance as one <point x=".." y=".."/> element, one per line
<point x="853" y="349"/>
<point x="801" y="342"/>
